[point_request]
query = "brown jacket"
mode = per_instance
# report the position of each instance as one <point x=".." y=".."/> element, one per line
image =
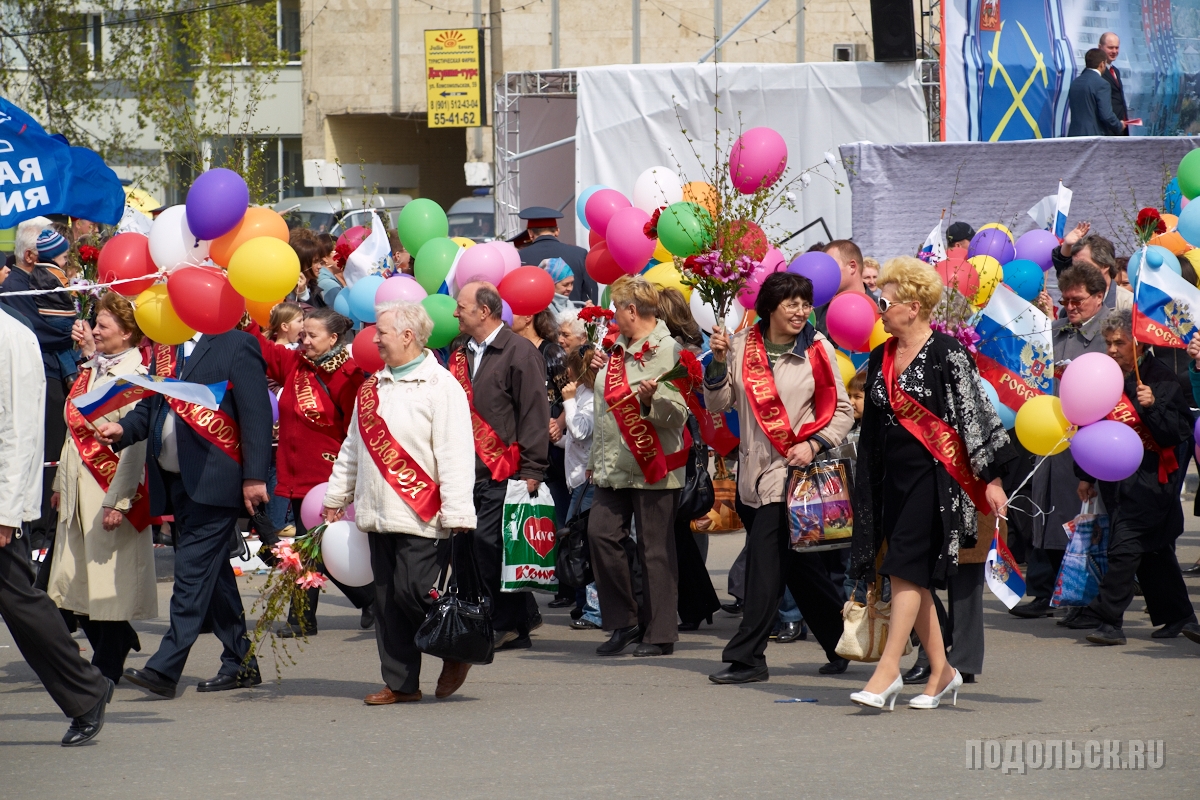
<point x="762" y="471"/>
<point x="510" y="395"/>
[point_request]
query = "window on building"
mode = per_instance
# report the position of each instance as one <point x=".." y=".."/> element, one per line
<point x="289" y="28"/>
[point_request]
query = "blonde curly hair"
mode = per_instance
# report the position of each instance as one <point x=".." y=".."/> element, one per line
<point x="914" y="281"/>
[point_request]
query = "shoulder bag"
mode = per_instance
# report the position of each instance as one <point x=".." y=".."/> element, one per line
<point x="458" y="627"/>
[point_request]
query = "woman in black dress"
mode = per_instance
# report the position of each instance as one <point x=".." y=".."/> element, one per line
<point x="921" y="499"/>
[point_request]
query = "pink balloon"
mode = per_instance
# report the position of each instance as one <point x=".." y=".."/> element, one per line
<point x="400" y="287"/>
<point x="1091" y="385"/>
<point x="627" y="241"/>
<point x="774" y="261"/>
<point x="757" y="159"/>
<point x="601" y="207"/>
<point x="749" y="293"/>
<point x="512" y="257"/>
<point x="850" y="320"/>
<point x="313" y="505"/>
<point x="483" y="262"/>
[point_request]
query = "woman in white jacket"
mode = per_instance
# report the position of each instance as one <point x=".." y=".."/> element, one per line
<point x="408" y="464"/>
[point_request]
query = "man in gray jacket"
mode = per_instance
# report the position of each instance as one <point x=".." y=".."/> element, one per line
<point x="1090" y="100"/>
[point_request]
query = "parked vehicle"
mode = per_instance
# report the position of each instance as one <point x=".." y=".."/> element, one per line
<point x="473" y="217"/>
<point x="334" y="214"/>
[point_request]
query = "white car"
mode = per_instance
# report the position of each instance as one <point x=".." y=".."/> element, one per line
<point x="334" y="214"/>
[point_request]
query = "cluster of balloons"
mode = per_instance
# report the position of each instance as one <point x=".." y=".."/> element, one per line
<point x="1090" y="388"/>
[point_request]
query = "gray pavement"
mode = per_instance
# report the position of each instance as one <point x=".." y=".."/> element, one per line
<point x="557" y="721"/>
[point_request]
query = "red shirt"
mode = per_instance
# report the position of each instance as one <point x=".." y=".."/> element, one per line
<point x="312" y="418"/>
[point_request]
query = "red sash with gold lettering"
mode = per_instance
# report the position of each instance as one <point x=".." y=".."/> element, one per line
<point x="713" y="430"/>
<point x="941" y="440"/>
<point x="399" y="469"/>
<point x="215" y="427"/>
<point x="639" y="434"/>
<point x="313" y="403"/>
<point x="501" y="460"/>
<point x="1125" y="411"/>
<point x="763" y="396"/>
<point x="99" y="458"/>
<point x="164" y="360"/>
<point x="1013" y="391"/>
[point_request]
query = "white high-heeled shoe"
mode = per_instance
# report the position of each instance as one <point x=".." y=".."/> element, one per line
<point x="933" y="701"/>
<point x="872" y="700"/>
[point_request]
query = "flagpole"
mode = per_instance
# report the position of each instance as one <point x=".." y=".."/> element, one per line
<point x="1136" y="372"/>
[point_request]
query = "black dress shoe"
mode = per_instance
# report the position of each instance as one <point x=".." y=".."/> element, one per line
<point x="367" y="618"/>
<point x="1174" y="629"/>
<point x="1037" y="607"/>
<point x="519" y="643"/>
<point x="584" y="625"/>
<point x="536" y="621"/>
<point x="576" y="613"/>
<point x="84" y="729"/>
<point x="151" y="681"/>
<point x="791" y="631"/>
<point x="918" y="674"/>
<point x="222" y="683"/>
<point x="1069" y="617"/>
<point x="1192" y="631"/>
<point x="733" y="608"/>
<point x="737" y="673"/>
<point x="689" y="626"/>
<point x="621" y="638"/>
<point x="1107" y="634"/>
<point x="561" y="602"/>
<point x="1194" y="569"/>
<point x="293" y="631"/>
<point x="646" y="649"/>
<point x="836" y="666"/>
<point x="1085" y="620"/>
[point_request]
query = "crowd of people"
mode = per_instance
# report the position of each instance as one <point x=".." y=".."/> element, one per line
<point x="591" y="419"/>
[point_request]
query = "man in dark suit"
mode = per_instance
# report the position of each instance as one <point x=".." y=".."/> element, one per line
<point x="542" y="234"/>
<point x="1090" y="100"/>
<point x="1111" y="45"/>
<point x="204" y="468"/>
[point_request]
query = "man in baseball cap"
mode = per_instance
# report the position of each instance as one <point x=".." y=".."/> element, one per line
<point x="959" y="236"/>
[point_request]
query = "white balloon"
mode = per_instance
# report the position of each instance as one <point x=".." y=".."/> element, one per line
<point x="346" y="553"/>
<point x="655" y="188"/>
<point x="706" y="318"/>
<point x="172" y="243"/>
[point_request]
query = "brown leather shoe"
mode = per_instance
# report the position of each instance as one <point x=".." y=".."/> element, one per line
<point x="452" y="677"/>
<point x="385" y="697"/>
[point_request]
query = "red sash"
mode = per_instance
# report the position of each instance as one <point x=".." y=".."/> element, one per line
<point x="713" y="430"/>
<point x="639" y="434"/>
<point x="942" y="441"/>
<point x="501" y="460"/>
<point x="399" y="469"/>
<point x="215" y="427"/>
<point x="312" y="402"/>
<point x="99" y="458"/>
<point x="164" y="360"/>
<point x="1013" y="391"/>
<point x="763" y="396"/>
<point x="1126" y="412"/>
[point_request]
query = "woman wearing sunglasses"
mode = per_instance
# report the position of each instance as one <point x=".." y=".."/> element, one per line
<point x="931" y="452"/>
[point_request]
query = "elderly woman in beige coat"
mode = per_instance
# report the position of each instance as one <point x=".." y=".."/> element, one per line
<point x="782" y="377"/>
<point x="103" y="563"/>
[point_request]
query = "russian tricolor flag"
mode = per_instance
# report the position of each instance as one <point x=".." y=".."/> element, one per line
<point x="1062" y="210"/>
<point x="1016" y="351"/>
<point x="1166" y="308"/>
<point x="934" y="249"/>
<point x="130" y="388"/>
<point x="1000" y="570"/>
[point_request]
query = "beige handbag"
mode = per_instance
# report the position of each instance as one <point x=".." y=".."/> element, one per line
<point x="865" y="625"/>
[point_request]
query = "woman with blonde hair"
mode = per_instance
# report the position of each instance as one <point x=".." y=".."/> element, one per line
<point x="946" y="454"/>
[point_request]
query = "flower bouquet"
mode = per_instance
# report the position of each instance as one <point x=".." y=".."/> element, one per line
<point x="686" y="376"/>
<point x="718" y="281"/>
<point x="295" y="568"/>
<point x="595" y="320"/>
<point x="1149" y="224"/>
<point x="84" y="280"/>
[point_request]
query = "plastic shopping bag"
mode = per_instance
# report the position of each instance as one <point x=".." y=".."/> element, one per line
<point x="820" y="515"/>
<point x="529" y="540"/>
<point x="1086" y="559"/>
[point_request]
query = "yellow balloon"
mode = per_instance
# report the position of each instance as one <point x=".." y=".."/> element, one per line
<point x="666" y="276"/>
<point x="999" y="227"/>
<point x="846" y="367"/>
<point x="661" y="254"/>
<point x="264" y="269"/>
<point x="1041" y="426"/>
<point x="157" y="318"/>
<point x="878" y="335"/>
<point x="990" y="276"/>
<point x="463" y="241"/>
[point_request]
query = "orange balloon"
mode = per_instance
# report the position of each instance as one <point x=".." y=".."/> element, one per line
<point x="1172" y="241"/>
<point x="257" y="222"/>
<point x="702" y="194"/>
<point x="261" y="312"/>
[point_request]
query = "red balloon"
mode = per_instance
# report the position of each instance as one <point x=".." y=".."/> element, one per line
<point x="594" y="239"/>
<point x="126" y="255"/>
<point x="751" y="239"/>
<point x="349" y="241"/>
<point x="364" y="351"/>
<point x="204" y="299"/>
<point x="602" y="266"/>
<point x="527" y="290"/>
<point x="957" y="273"/>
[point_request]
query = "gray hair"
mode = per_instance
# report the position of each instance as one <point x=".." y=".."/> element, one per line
<point x="407" y="317"/>
<point x="571" y="317"/>
<point x="1117" y="322"/>
<point x="27" y="234"/>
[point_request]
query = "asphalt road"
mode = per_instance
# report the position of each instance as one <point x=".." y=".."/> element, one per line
<point x="557" y="722"/>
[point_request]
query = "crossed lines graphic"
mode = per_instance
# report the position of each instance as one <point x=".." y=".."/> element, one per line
<point x="1018" y="103"/>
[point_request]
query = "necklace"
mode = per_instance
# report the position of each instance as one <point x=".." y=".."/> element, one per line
<point x="903" y="350"/>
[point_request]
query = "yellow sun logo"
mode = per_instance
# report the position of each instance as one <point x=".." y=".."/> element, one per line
<point x="450" y="39"/>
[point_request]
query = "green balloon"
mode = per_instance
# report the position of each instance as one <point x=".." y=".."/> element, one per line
<point x="1189" y="175"/>
<point x="606" y="297"/>
<point x="433" y="263"/>
<point x="684" y="229"/>
<point x="440" y="308"/>
<point x="420" y="221"/>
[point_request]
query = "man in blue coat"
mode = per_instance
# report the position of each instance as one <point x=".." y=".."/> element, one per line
<point x="1090" y="100"/>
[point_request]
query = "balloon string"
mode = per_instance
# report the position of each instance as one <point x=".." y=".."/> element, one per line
<point x="1029" y="477"/>
<point x="83" y="288"/>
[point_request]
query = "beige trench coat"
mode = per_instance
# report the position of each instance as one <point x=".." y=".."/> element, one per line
<point x="106" y="575"/>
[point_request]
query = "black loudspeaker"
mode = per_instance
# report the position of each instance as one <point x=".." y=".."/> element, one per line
<point x="893" y="30"/>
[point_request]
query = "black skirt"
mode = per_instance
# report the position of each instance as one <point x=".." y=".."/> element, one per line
<point x="912" y="520"/>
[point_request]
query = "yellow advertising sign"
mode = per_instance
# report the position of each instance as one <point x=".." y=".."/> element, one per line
<point x="454" y="78"/>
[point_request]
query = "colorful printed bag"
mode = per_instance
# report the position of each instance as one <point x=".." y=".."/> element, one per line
<point x="529" y="540"/>
<point x="1086" y="559"/>
<point x="820" y="516"/>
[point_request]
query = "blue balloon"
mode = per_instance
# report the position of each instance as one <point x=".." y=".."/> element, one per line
<point x="362" y="297"/>
<point x="1154" y="252"/>
<point x="1008" y="417"/>
<point x="1189" y="223"/>
<point x="1024" y="277"/>
<point x="341" y="303"/>
<point x="581" y="201"/>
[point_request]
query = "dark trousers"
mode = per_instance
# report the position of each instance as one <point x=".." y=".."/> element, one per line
<point x="111" y="641"/>
<point x="770" y="564"/>
<point x="1041" y="572"/>
<point x="608" y="526"/>
<point x="204" y="585"/>
<point x="406" y="568"/>
<point x="697" y="597"/>
<point x="42" y="636"/>
<point x="511" y="611"/>
<point x="1161" y="580"/>
<point x="360" y="596"/>
<point x="962" y="627"/>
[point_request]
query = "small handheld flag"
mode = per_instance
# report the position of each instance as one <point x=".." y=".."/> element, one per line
<point x="934" y="249"/>
<point x="1063" y="209"/>
<point x="1000" y="570"/>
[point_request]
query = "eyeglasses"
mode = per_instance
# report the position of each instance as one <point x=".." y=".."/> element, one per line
<point x="1075" y="302"/>
<point x="793" y="306"/>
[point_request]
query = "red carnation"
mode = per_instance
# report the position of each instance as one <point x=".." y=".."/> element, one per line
<point x="1149" y="223"/>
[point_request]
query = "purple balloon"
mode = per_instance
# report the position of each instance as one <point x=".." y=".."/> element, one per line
<point x="216" y="203"/>
<point x="822" y="270"/>
<point x="992" y="242"/>
<point x="506" y="313"/>
<point x="274" y="408"/>
<point x="1107" y="450"/>
<point x="1038" y="247"/>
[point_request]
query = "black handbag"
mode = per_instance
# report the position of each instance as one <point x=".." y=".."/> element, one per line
<point x="459" y="627"/>
<point x="573" y="564"/>
<point x="697" y="497"/>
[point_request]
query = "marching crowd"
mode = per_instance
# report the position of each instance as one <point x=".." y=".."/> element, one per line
<point x="615" y="444"/>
